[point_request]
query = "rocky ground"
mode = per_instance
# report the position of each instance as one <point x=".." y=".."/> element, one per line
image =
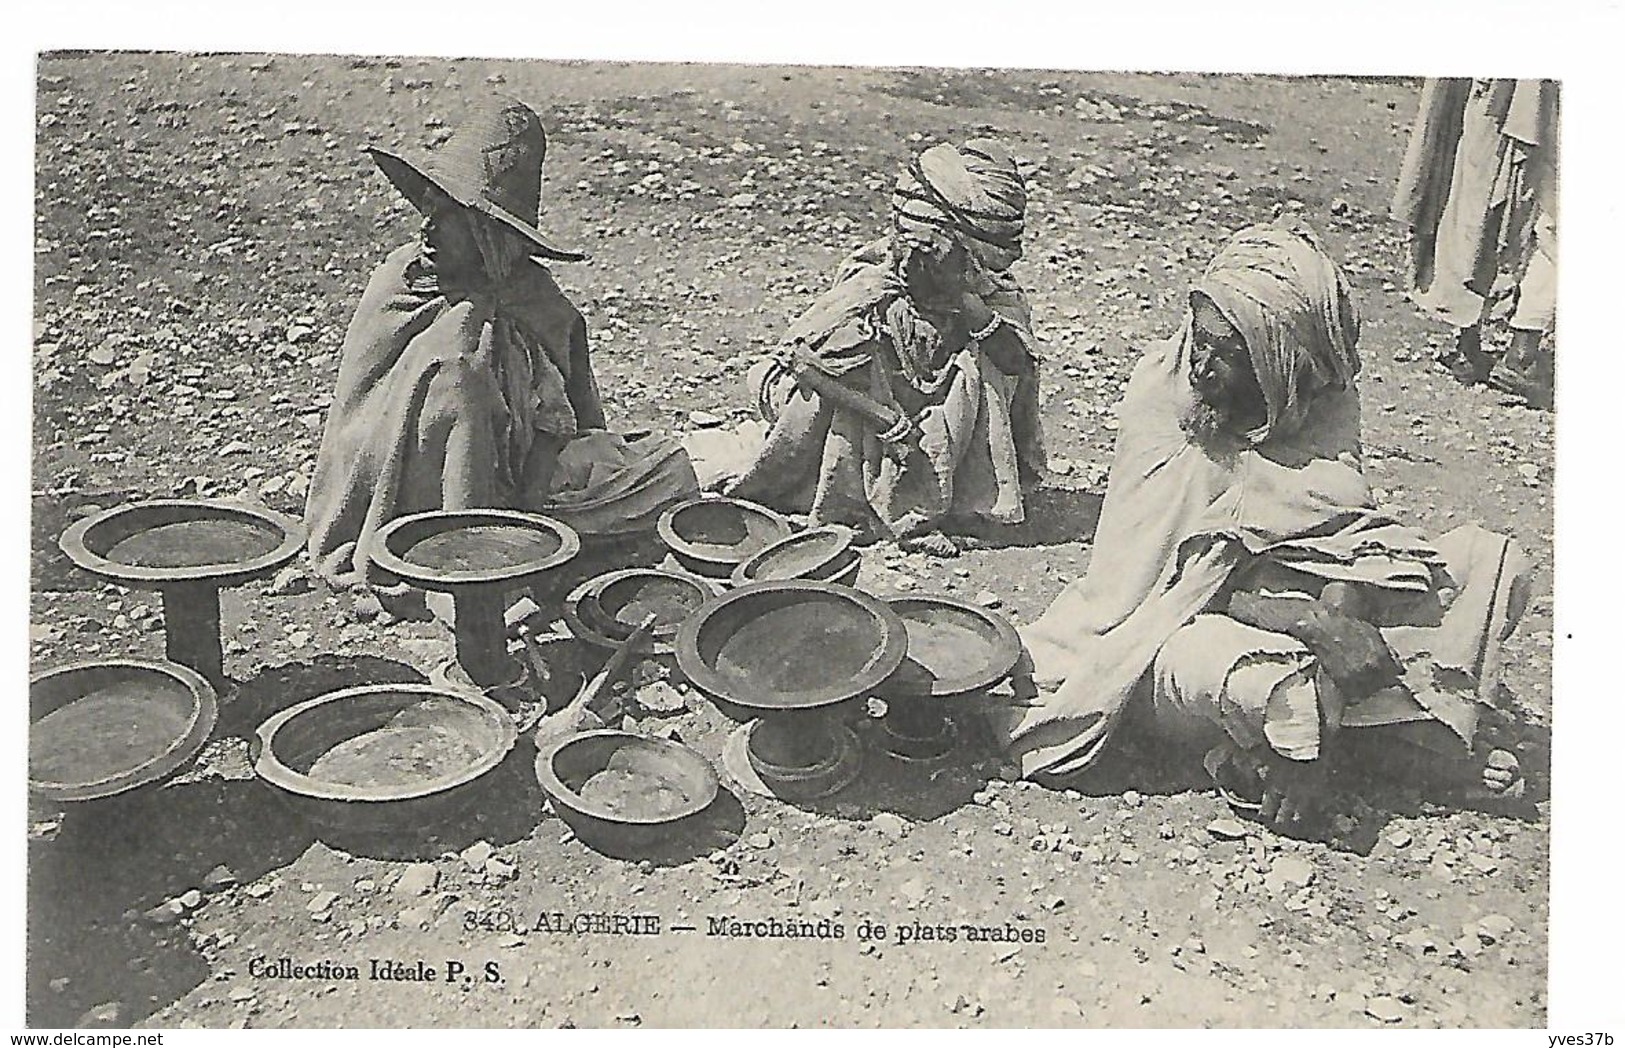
<point x="204" y="226"/>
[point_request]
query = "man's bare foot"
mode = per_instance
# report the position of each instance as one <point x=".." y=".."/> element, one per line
<point x="932" y="544"/>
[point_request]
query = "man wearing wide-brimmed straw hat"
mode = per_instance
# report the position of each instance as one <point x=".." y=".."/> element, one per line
<point x="905" y="400"/>
<point x="464" y="373"/>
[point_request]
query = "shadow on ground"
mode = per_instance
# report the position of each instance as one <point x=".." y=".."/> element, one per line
<point x="1055" y="515"/>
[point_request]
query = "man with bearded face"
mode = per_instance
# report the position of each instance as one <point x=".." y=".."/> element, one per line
<point x="1245" y="595"/>
<point x="933" y="336"/>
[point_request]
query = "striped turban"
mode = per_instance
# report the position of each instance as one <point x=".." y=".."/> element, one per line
<point x="977" y="195"/>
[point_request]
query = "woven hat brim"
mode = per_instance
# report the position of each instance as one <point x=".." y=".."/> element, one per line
<point x="414" y="183"/>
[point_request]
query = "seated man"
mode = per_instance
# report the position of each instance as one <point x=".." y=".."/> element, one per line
<point x="464" y="378"/>
<point x="906" y="397"/>
<point x="1244" y="594"/>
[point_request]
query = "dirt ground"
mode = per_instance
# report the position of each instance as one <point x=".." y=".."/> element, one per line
<point x="204" y="226"/>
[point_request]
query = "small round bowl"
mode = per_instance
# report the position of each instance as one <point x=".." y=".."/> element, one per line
<point x="447" y="549"/>
<point x="618" y="788"/>
<point x="607" y="609"/>
<point x="711" y="536"/>
<point x="773" y="647"/>
<point x="823" y="554"/>
<point x="104" y="728"/>
<point x="168" y="541"/>
<point x="954" y="647"/>
<point x="383" y="756"/>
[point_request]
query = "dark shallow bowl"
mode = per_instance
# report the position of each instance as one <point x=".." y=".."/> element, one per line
<point x="169" y="541"/>
<point x="797" y="645"/>
<point x="711" y="536"/>
<point x="619" y="789"/>
<point x="954" y="647"/>
<point x="448" y="549"/>
<point x="104" y="728"/>
<point x="384" y="755"/>
<point x="605" y="610"/>
<point x="823" y="554"/>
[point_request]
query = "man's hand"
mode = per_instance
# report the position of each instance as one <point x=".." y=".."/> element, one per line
<point x="1350" y="650"/>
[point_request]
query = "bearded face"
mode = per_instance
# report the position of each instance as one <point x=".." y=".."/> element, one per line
<point x="1229" y="401"/>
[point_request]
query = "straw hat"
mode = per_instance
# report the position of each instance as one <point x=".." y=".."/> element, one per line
<point x="493" y="164"/>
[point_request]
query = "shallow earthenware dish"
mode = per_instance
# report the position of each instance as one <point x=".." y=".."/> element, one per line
<point x="711" y="535"/>
<point x="451" y="549"/>
<point x="383" y="755"/>
<point x="601" y="780"/>
<point x="605" y="610"/>
<point x="772" y="647"/>
<point x="823" y="553"/>
<point x="164" y="542"/>
<point x="103" y="728"/>
<point x="954" y="647"/>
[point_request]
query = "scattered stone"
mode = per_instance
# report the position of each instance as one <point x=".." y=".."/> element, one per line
<point x="760" y="841"/>
<point x="219" y="878"/>
<point x="890" y="824"/>
<point x="321" y="902"/>
<point x="1228" y="829"/>
<point x="260" y="890"/>
<point x="1293" y="871"/>
<point x="498" y="870"/>
<point x="60" y="983"/>
<point x="241" y="995"/>
<point x="705" y="419"/>
<point x="166" y="912"/>
<point x="1494" y="928"/>
<point x="191" y="899"/>
<point x="989" y="599"/>
<point x="418" y="879"/>
<point x="659" y="697"/>
<point x="103" y="1015"/>
<point x="475" y="854"/>
<point x="1399" y="837"/>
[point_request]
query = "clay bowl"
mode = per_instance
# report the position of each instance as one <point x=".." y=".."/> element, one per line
<point x="383" y="756"/>
<point x="823" y="554"/>
<point x="778" y="647"/>
<point x="711" y="536"/>
<point x="168" y="541"/>
<point x="451" y="549"/>
<point x="614" y="788"/>
<point x="954" y="647"/>
<point x="607" y="609"/>
<point x="103" y="728"/>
